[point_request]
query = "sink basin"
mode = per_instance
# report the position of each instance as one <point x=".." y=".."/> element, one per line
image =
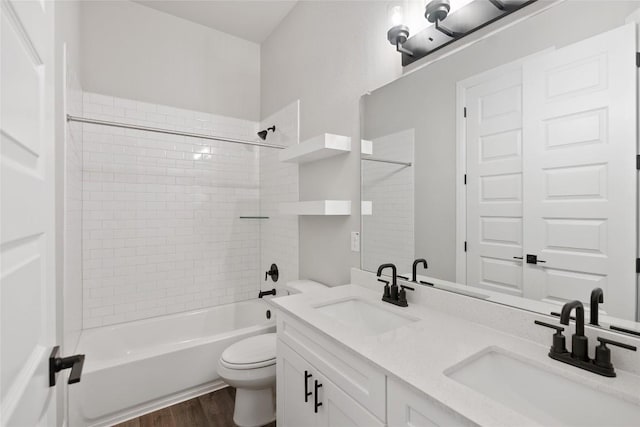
<point x="541" y="395"/>
<point x="364" y="317"/>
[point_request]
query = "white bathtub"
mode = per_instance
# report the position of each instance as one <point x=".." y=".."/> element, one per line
<point x="137" y="367"/>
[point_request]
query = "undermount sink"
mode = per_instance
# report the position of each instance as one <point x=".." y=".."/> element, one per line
<point x="541" y="395"/>
<point x="364" y="317"/>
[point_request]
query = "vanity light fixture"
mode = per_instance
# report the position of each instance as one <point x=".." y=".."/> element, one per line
<point x="462" y="17"/>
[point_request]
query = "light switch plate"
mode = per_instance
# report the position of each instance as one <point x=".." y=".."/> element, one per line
<point x="355" y="241"/>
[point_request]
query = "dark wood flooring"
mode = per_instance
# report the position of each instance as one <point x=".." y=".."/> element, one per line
<point x="209" y="410"/>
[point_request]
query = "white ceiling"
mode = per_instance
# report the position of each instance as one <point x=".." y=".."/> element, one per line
<point x="251" y="20"/>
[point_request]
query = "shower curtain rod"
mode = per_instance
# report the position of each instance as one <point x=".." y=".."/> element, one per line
<point x="71" y="118"/>
<point x="395" y="162"/>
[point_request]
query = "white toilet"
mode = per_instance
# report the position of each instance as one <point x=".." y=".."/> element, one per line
<point x="249" y="365"/>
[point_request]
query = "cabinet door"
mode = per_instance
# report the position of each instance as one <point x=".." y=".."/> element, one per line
<point x="408" y="408"/>
<point x="338" y="409"/>
<point x="294" y="375"/>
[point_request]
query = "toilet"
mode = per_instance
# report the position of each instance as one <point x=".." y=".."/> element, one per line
<point x="249" y="365"/>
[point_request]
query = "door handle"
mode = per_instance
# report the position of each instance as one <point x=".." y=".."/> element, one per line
<point x="307" y="393"/>
<point x="57" y="364"/>
<point x="316" y="404"/>
<point x="517" y="257"/>
<point x="533" y="259"/>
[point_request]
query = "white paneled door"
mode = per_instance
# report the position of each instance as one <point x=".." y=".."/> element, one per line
<point x="494" y="181"/>
<point x="27" y="273"/>
<point x="551" y="174"/>
<point x="580" y="171"/>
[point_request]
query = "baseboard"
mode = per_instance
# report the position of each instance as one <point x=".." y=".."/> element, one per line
<point x="160" y="403"/>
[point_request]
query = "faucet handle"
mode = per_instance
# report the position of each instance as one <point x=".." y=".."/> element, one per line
<point x="559" y="341"/>
<point x="605" y="341"/>
<point x="603" y="354"/>
<point x="387" y="290"/>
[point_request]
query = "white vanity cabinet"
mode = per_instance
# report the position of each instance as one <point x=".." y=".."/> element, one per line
<point x="407" y="407"/>
<point x="306" y="398"/>
<point x="350" y="391"/>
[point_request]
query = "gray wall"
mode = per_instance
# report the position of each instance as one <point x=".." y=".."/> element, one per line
<point x="426" y="100"/>
<point x="327" y="54"/>
<point x="135" y="52"/>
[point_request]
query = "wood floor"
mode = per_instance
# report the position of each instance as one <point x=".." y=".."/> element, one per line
<point x="209" y="410"/>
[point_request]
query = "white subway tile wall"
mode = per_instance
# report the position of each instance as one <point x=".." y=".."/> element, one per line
<point x="279" y="183"/>
<point x="388" y="234"/>
<point x="161" y="213"/>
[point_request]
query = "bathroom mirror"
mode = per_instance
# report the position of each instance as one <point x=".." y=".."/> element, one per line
<point x="510" y="164"/>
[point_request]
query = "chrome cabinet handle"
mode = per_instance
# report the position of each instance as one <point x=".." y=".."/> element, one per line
<point x="307" y="393"/>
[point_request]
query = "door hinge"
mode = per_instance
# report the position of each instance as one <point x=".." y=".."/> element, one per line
<point x="637" y="265"/>
<point x="465" y="246"/>
<point x="638" y="59"/>
<point x="464" y="111"/>
<point x="465" y="179"/>
<point x="638" y="162"/>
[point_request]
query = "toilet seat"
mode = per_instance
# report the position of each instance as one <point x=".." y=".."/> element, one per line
<point x="251" y="353"/>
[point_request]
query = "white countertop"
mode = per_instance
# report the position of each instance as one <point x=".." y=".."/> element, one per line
<point x="418" y="353"/>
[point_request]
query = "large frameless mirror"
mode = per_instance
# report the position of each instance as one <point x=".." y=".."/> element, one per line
<point x="510" y="165"/>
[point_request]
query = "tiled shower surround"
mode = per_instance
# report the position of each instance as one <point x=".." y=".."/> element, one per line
<point x="162" y="231"/>
<point x="390" y="188"/>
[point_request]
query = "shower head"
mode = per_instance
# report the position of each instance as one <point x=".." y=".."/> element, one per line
<point x="263" y="133"/>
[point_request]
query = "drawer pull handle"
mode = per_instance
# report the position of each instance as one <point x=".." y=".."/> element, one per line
<point x="307" y="393"/>
<point x="316" y="403"/>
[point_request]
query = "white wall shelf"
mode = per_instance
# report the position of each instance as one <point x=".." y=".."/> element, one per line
<point x="316" y="148"/>
<point x="317" y="207"/>
<point x="366" y="207"/>
<point x="366" y="147"/>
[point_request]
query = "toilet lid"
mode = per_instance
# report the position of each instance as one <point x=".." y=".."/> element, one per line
<point x="252" y="352"/>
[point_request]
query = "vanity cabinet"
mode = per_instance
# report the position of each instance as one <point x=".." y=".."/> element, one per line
<point x="351" y="391"/>
<point x="306" y="398"/>
<point x="407" y="407"/>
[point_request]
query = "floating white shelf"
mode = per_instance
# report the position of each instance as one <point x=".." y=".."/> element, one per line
<point x="366" y="147"/>
<point x="366" y="208"/>
<point x="317" y="207"/>
<point x="316" y="148"/>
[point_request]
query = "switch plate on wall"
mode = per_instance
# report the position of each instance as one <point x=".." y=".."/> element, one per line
<point x="355" y="241"/>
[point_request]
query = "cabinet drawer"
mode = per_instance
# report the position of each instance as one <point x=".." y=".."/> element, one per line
<point x="359" y="379"/>
<point x="410" y="408"/>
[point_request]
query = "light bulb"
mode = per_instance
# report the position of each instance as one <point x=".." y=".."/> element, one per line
<point x="395" y="15"/>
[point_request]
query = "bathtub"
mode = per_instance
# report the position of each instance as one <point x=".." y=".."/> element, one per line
<point x="138" y="367"/>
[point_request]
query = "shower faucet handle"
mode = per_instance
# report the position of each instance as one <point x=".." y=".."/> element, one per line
<point x="273" y="272"/>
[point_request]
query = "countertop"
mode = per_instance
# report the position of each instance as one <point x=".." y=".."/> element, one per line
<point x="420" y="352"/>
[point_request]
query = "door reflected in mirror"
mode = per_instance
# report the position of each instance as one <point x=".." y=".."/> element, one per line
<point x="510" y="165"/>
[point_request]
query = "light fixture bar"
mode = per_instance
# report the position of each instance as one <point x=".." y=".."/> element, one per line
<point x="459" y="23"/>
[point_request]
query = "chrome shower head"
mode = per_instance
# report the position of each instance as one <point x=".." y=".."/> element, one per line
<point x="263" y="133"/>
